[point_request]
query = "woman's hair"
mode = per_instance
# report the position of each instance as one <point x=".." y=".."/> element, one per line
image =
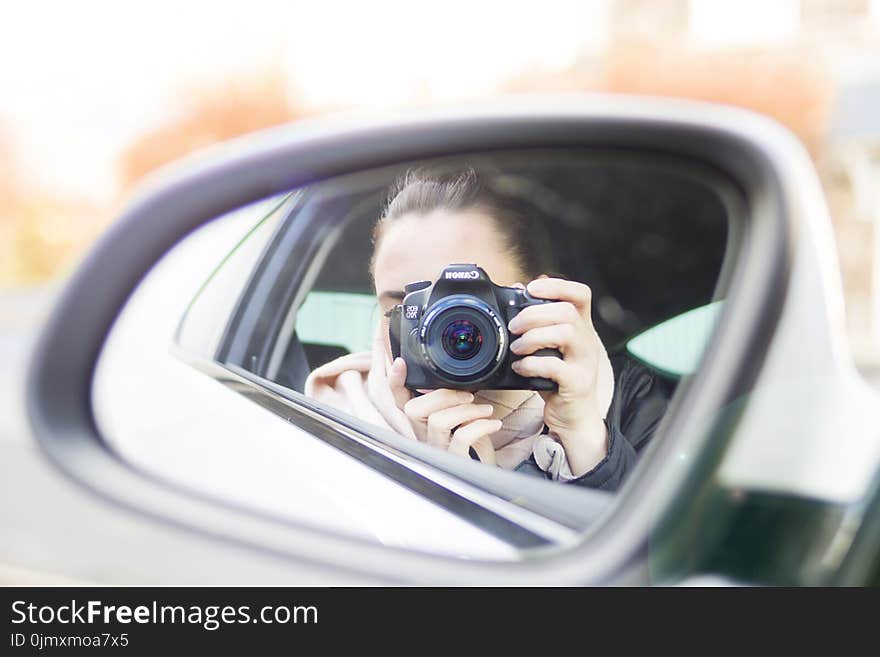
<point x="420" y="192"/>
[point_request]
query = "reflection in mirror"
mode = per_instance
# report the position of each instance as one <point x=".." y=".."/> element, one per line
<point x="464" y="356"/>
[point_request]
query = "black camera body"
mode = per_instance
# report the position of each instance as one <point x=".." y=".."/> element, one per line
<point x="453" y="333"/>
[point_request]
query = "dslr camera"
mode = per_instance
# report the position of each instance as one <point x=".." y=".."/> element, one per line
<point x="453" y="333"/>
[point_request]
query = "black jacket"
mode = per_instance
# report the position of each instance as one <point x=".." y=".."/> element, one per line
<point x="639" y="402"/>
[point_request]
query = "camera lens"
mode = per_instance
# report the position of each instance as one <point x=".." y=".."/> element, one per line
<point x="462" y="340"/>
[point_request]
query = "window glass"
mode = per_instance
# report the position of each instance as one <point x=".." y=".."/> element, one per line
<point x="204" y="321"/>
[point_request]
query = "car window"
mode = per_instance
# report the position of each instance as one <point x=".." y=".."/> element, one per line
<point x="674" y="347"/>
<point x="673" y="268"/>
<point x="337" y="319"/>
<point x="205" y="319"/>
<point x="342" y="323"/>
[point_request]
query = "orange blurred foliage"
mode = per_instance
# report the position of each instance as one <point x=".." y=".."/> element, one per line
<point x="8" y="172"/>
<point x="211" y="115"/>
<point x="39" y="232"/>
<point x="791" y="87"/>
<point x="42" y="234"/>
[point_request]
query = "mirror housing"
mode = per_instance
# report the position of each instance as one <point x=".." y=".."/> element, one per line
<point x="764" y="160"/>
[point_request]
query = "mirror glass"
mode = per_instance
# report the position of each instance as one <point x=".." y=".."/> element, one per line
<point x="467" y="356"/>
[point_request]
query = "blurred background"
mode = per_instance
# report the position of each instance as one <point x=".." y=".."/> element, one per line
<point x="96" y="94"/>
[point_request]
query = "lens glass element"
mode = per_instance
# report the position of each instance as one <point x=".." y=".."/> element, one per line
<point x="462" y="340"/>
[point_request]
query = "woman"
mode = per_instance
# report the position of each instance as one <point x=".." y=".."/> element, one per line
<point x="586" y="433"/>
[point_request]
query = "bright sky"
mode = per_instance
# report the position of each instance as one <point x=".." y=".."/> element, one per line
<point x="744" y="22"/>
<point x="80" y="80"/>
<point x="380" y="52"/>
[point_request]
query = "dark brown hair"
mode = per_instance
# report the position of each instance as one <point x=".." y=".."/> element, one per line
<point x="420" y="192"/>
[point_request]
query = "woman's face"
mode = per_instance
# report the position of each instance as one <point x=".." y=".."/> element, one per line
<point x="418" y="247"/>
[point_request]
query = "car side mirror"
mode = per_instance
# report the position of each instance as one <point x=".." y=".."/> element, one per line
<point x="229" y="253"/>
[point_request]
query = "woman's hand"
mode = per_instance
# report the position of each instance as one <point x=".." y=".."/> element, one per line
<point x="571" y="412"/>
<point x="385" y="384"/>
<point x="445" y="418"/>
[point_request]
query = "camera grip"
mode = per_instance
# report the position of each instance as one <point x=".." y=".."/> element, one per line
<point x="547" y="385"/>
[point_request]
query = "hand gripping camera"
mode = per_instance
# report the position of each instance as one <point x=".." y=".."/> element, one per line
<point x="453" y="333"/>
